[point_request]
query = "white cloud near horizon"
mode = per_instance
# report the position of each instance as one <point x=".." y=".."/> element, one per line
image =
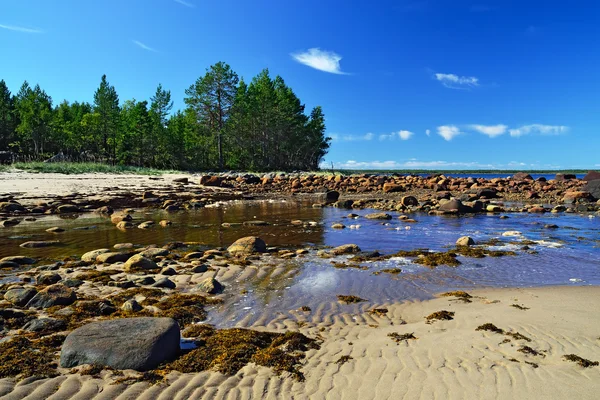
<point x="414" y="163"/>
<point x="453" y="81"/>
<point x="402" y="135"/>
<point x="185" y="3"/>
<point x="322" y="60"/>
<point x="538" y="129"/>
<point x="143" y="46"/>
<point x="351" y="138"/>
<point x="490" y="130"/>
<point x="448" y="132"/>
<point x="20" y="29"/>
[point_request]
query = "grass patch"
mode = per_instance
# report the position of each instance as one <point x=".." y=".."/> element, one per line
<point x="349" y="299"/>
<point x="82" y="168"/>
<point x="440" y="316"/>
<point x="581" y="361"/>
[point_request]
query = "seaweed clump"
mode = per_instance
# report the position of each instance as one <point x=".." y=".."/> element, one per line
<point x="343" y="360"/>
<point x="391" y="271"/>
<point x="396" y="337"/>
<point x="229" y="350"/>
<point x="437" y="259"/>
<point x="581" y="361"/>
<point x="23" y="358"/>
<point x="103" y="276"/>
<point x="185" y="308"/>
<point x="349" y="299"/>
<point x="490" y="328"/>
<point x="519" y="307"/>
<point x="440" y="316"/>
<point x="341" y="265"/>
<point x="529" y="350"/>
<point x="460" y="295"/>
<point x="379" y="311"/>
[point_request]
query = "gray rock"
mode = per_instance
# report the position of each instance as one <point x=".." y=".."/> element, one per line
<point x="593" y="187"/>
<point x="139" y="262"/>
<point x="111" y="258"/>
<point x="131" y="306"/>
<point x="47" y="278"/>
<point x="21" y="260"/>
<point x="146" y="280"/>
<point x="345" y="249"/>
<point x="53" y="295"/>
<point x="6" y="265"/>
<point x="248" y="245"/>
<point x="35" y="244"/>
<point x="19" y="296"/>
<point x="72" y="282"/>
<point x="164" y="283"/>
<point x="154" y="252"/>
<point x="198" y="269"/>
<point x="379" y="215"/>
<point x="168" y="271"/>
<point x="465" y="241"/>
<point x="45" y="325"/>
<point x="91" y="256"/>
<point x="210" y="285"/>
<point x="127" y="343"/>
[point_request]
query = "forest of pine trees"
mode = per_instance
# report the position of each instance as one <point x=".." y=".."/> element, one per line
<point x="227" y="124"/>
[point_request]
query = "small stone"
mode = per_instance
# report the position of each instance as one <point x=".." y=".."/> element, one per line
<point x="91" y="256"/>
<point x="111" y="257"/>
<point x="165" y="283"/>
<point x="47" y="278"/>
<point x="146" y="280"/>
<point x="154" y="252"/>
<point x="21" y="260"/>
<point x="53" y="295"/>
<point x="345" y="249"/>
<point x="338" y="226"/>
<point x="131" y="306"/>
<point x="19" y="296"/>
<point x="165" y="222"/>
<point x="146" y="225"/>
<point x="168" y="271"/>
<point x="55" y="229"/>
<point x="198" y="269"/>
<point x="123" y="246"/>
<point x="125" y="225"/>
<point x="35" y="244"/>
<point x="67" y="208"/>
<point x="139" y="262"/>
<point x="45" y="325"/>
<point x="378" y="216"/>
<point x="210" y="286"/>
<point x="248" y="245"/>
<point x="465" y="241"/>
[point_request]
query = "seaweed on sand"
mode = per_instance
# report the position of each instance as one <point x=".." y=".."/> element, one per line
<point x="490" y="328"/>
<point x="396" y="337"/>
<point x="23" y="358"/>
<point x="379" y="311"/>
<point x="349" y="299"/>
<point x="460" y="296"/>
<point x="519" y="307"/>
<point x="391" y="271"/>
<point x="343" y="360"/>
<point x="581" y="361"/>
<point x="103" y="276"/>
<point x="185" y="308"/>
<point x="229" y="350"/>
<point x="440" y="316"/>
<point x="529" y="350"/>
<point x="437" y="259"/>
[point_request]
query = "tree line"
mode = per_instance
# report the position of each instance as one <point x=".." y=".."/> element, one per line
<point x="226" y="124"/>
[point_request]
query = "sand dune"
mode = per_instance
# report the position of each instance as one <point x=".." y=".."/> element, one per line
<point x="449" y="360"/>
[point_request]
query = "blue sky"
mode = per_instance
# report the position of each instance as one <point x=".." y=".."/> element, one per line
<point x="403" y="84"/>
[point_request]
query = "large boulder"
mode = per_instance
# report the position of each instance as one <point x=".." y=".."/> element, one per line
<point x="53" y="295"/>
<point x="127" y="343"/>
<point x="248" y="245"/>
<point x="592" y="176"/>
<point x="593" y="188"/>
<point x="522" y="176"/>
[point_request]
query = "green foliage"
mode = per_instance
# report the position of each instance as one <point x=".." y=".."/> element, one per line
<point x="226" y="124"/>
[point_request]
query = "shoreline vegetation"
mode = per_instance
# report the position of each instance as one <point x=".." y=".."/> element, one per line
<point x="67" y="167"/>
<point x="226" y="124"/>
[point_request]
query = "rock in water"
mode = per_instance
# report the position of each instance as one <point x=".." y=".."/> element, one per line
<point x="210" y="286"/>
<point x="379" y="215"/>
<point x="248" y="245"/>
<point x="465" y="241"/>
<point x="91" y="256"/>
<point x="127" y="343"/>
<point x="139" y="262"/>
<point x="345" y="249"/>
<point x="53" y="295"/>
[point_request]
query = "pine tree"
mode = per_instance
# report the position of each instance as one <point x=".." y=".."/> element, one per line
<point x="106" y="104"/>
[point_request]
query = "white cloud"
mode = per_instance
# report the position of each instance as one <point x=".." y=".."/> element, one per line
<point x="402" y="135"/>
<point x="448" y="132"/>
<point x="410" y="164"/>
<point x="21" y="29"/>
<point x="427" y="132"/>
<point x="143" y="46"/>
<point x="326" y="61"/>
<point x="453" y="81"/>
<point x="184" y="3"/>
<point x="490" y="130"/>
<point x="351" y="138"/>
<point x="538" y="129"/>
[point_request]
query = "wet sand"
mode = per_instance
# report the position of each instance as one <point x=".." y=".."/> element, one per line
<point x="449" y="359"/>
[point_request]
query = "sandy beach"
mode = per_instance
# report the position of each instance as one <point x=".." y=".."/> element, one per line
<point x="448" y="360"/>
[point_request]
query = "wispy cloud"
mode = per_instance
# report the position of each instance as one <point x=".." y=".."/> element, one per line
<point x="539" y="129"/>
<point x="414" y="163"/>
<point x="21" y="29"/>
<point x="427" y="132"/>
<point x="448" y="132"/>
<point x="185" y="3"/>
<point x="490" y="130"/>
<point x="453" y="81"/>
<point x="143" y="46"/>
<point x="351" y="138"/>
<point x="326" y="61"/>
<point x="402" y="135"/>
